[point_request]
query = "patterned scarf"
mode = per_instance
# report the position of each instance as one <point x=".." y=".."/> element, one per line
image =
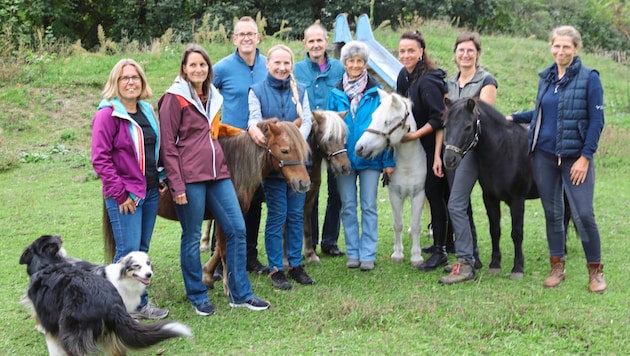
<point x="355" y="89"/>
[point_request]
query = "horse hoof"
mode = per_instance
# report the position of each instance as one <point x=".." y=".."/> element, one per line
<point x="417" y="263"/>
<point x="515" y="276"/>
<point x="208" y="281"/>
<point x="494" y="271"/>
<point x="313" y="259"/>
<point x="397" y="259"/>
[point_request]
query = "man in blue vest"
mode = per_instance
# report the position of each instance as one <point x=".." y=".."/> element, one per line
<point x="320" y="73"/>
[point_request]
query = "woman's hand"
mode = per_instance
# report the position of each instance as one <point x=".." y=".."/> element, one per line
<point x="128" y="207"/>
<point x="578" y="170"/>
<point x="257" y="136"/>
<point x="437" y="167"/>
<point x="180" y="199"/>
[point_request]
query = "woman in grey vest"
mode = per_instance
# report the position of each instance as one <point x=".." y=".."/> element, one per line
<point x="470" y="81"/>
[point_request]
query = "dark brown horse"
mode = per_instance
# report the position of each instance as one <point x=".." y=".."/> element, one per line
<point x="327" y="141"/>
<point x="248" y="163"/>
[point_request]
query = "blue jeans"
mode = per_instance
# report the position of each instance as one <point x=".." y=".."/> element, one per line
<point x="132" y="232"/>
<point x="552" y="181"/>
<point x="285" y="208"/>
<point x="330" y="230"/>
<point x="220" y="198"/>
<point x="360" y="246"/>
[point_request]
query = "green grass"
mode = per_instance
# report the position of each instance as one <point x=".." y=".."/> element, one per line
<point x="50" y="188"/>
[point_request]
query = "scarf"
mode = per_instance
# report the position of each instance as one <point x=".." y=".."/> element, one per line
<point x="355" y="89"/>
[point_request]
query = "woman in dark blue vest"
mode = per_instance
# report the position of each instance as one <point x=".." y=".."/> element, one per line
<point x="565" y="127"/>
<point x="282" y="97"/>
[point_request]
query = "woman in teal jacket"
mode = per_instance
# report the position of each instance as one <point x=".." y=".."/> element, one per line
<point x="357" y="94"/>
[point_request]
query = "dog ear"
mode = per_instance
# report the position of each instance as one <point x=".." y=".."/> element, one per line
<point x="27" y="256"/>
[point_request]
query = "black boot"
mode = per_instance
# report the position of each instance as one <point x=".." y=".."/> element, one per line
<point x="437" y="259"/>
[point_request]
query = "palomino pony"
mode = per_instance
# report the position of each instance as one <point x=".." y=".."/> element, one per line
<point x="390" y="121"/>
<point x="327" y="141"/>
<point x="286" y="152"/>
<point x="505" y="172"/>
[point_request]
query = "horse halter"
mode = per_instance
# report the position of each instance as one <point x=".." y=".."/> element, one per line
<point x="401" y="123"/>
<point x="329" y="156"/>
<point x="282" y="163"/>
<point x="472" y="144"/>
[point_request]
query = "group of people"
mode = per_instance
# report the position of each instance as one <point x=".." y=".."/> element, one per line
<point x="130" y="147"/>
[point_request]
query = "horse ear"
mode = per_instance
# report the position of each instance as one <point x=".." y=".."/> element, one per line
<point x="298" y="122"/>
<point x="342" y="114"/>
<point x="274" y="128"/>
<point x="470" y="104"/>
<point x="381" y="93"/>
<point x="447" y="102"/>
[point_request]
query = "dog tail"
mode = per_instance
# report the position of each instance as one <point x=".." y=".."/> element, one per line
<point x="135" y="335"/>
<point x="109" y="244"/>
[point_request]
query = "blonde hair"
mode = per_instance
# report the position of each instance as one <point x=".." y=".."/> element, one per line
<point x="111" y="91"/>
<point x="568" y="31"/>
<point x="294" y="91"/>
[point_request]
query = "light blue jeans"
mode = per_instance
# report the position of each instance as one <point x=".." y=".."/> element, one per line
<point x="132" y="232"/>
<point x="552" y="180"/>
<point x="220" y="198"/>
<point x="285" y="208"/>
<point x="360" y="245"/>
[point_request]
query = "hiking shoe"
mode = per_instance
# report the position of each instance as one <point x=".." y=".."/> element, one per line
<point x="352" y="263"/>
<point x="205" y="308"/>
<point x="149" y="311"/>
<point x="462" y="271"/>
<point x="366" y="266"/>
<point x="333" y="251"/>
<point x="218" y="273"/>
<point x="437" y="259"/>
<point x="596" y="281"/>
<point x="557" y="273"/>
<point x="279" y="280"/>
<point x="257" y="267"/>
<point x="255" y="304"/>
<point x="299" y="275"/>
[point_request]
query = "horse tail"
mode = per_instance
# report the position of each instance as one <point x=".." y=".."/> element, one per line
<point x="109" y="244"/>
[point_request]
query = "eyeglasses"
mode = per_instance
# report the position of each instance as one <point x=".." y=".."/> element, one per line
<point x="242" y="36"/>
<point x="126" y="79"/>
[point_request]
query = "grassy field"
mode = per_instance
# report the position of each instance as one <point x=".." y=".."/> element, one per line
<point x="48" y="187"/>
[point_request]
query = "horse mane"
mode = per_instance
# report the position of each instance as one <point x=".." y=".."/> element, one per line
<point x="295" y="136"/>
<point x="479" y="108"/>
<point x="335" y="126"/>
<point x="245" y="160"/>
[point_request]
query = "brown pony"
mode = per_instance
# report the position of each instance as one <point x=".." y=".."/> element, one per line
<point x="327" y="140"/>
<point x="286" y="152"/>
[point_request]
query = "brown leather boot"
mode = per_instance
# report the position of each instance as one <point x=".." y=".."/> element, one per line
<point x="596" y="282"/>
<point x="557" y="274"/>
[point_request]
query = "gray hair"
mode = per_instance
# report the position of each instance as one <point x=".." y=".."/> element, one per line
<point x="354" y="48"/>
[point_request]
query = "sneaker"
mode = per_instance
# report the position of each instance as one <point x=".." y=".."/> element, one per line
<point x="205" y="308"/>
<point x="218" y="273"/>
<point x="257" y="267"/>
<point x="299" y="275"/>
<point x="333" y="251"/>
<point x="462" y="271"/>
<point x="366" y="266"/>
<point x="255" y="304"/>
<point x="352" y="263"/>
<point x="149" y="311"/>
<point x="279" y="280"/>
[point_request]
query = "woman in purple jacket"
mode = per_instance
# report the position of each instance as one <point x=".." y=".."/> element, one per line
<point x="125" y="145"/>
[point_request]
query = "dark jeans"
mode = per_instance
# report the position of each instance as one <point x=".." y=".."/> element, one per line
<point x="330" y="230"/>
<point x="552" y="180"/>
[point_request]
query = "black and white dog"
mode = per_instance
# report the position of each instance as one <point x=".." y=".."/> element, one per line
<point x="81" y="311"/>
<point x="130" y="275"/>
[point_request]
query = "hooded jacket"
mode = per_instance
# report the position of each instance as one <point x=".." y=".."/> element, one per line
<point x="427" y="95"/>
<point x="118" y="149"/>
<point x="339" y="101"/>
<point x="190" y="149"/>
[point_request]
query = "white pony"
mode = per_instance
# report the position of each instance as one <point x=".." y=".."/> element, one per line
<point x="390" y="121"/>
